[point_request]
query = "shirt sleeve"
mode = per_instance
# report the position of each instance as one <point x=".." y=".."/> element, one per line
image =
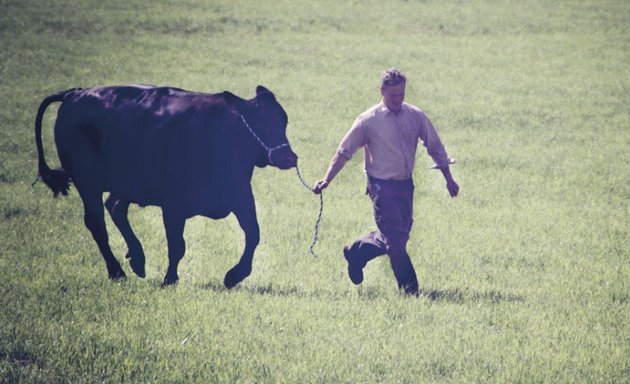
<point x="354" y="139"/>
<point x="431" y="141"/>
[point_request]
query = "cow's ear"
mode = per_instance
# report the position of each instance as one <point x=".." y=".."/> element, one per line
<point x="263" y="93"/>
<point x="231" y="99"/>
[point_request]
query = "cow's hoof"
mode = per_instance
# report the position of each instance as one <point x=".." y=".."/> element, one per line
<point x="137" y="265"/>
<point x="235" y="276"/>
<point x="117" y="274"/>
<point x="168" y="282"/>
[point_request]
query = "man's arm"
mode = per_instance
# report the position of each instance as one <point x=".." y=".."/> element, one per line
<point x="432" y="142"/>
<point x="336" y="164"/>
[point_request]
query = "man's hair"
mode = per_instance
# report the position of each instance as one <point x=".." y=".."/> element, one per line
<point x="392" y="76"/>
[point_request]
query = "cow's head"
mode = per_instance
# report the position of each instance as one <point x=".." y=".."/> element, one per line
<point x="267" y="122"/>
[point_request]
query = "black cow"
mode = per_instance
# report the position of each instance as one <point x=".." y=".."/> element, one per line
<point x="189" y="153"/>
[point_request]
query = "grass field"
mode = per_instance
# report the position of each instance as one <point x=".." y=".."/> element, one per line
<point x="525" y="275"/>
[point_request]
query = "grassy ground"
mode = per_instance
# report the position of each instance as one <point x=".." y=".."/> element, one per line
<point x="525" y="276"/>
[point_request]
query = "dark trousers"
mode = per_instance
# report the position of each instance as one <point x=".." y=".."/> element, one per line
<point x="393" y="213"/>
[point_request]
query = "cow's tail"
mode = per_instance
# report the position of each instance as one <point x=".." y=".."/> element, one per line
<point x="57" y="180"/>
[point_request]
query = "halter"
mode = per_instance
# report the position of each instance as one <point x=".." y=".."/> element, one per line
<point x="269" y="150"/>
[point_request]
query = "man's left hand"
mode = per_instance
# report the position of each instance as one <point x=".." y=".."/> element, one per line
<point x="452" y="187"/>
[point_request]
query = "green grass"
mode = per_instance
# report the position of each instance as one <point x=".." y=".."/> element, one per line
<point x="525" y="275"/>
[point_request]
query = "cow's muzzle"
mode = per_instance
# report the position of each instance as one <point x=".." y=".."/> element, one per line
<point x="282" y="157"/>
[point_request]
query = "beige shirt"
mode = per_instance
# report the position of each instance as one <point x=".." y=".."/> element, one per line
<point x="390" y="141"/>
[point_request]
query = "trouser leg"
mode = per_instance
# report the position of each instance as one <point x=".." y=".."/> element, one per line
<point x="393" y="212"/>
<point x="401" y="265"/>
<point x="376" y="244"/>
<point x="368" y="247"/>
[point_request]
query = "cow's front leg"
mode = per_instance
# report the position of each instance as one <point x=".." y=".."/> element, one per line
<point x="174" y="225"/>
<point x="246" y="216"/>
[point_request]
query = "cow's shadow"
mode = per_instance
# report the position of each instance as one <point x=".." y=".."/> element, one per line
<point x="268" y="289"/>
<point x="461" y="296"/>
<point x="370" y="293"/>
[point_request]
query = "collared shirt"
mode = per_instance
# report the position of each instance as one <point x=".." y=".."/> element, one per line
<point x="390" y="141"/>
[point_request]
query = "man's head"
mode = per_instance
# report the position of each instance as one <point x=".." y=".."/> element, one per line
<point x="393" y="84"/>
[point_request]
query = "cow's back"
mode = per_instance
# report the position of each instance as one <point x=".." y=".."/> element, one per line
<point x="144" y="143"/>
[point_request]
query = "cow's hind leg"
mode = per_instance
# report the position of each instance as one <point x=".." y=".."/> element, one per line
<point x="174" y="225"/>
<point x="246" y="217"/>
<point x="95" y="221"/>
<point x="118" y="208"/>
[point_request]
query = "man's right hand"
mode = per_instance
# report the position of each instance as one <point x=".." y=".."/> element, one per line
<point x="319" y="186"/>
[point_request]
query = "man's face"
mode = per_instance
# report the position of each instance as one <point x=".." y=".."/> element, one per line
<point x="393" y="96"/>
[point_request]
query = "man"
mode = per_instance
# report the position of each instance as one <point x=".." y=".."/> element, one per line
<point x="389" y="134"/>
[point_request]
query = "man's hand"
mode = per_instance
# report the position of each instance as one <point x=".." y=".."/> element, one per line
<point x="319" y="186"/>
<point x="336" y="163"/>
<point x="452" y="187"/>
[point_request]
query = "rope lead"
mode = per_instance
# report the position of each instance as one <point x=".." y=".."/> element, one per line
<point x="319" y="217"/>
